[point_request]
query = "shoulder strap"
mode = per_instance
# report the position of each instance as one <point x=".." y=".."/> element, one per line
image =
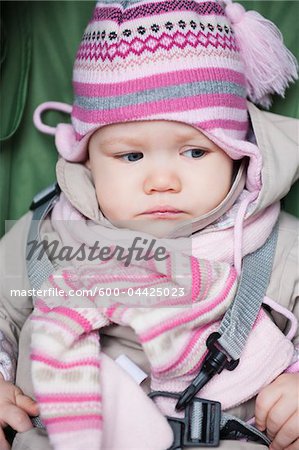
<point x="39" y="267"/>
<point x="242" y="313"/>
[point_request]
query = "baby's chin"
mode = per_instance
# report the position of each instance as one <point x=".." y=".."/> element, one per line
<point x="157" y="228"/>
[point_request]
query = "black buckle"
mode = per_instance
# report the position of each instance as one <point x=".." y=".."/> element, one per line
<point x="189" y="432"/>
<point x="45" y="195"/>
<point x="214" y="362"/>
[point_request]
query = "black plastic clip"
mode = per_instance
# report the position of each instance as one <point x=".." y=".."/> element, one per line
<point x="215" y="361"/>
<point x="200" y="426"/>
<point x="45" y="195"/>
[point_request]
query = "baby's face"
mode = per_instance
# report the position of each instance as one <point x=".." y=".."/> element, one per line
<point x="150" y="175"/>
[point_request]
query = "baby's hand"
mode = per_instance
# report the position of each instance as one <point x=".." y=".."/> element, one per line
<point x="277" y="412"/>
<point x="15" y="408"/>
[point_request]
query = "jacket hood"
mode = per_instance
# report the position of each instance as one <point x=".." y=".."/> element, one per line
<point x="274" y="165"/>
<point x="277" y="138"/>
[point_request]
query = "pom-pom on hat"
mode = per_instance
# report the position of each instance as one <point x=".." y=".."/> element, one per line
<point x="191" y="61"/>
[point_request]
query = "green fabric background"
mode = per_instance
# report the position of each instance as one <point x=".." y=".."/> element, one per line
<point x="39" y="40"/>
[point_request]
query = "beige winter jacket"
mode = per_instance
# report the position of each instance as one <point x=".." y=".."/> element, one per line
<point x="277" y="138"/>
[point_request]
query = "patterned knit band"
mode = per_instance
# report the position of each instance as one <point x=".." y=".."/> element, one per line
<point x="160" y="60"/>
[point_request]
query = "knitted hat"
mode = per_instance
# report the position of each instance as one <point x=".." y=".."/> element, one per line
<point x="178" y="60"/>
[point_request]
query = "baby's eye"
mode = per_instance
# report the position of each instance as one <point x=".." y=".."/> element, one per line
<point x="132" y="157"/>
<point x="194" y="153"/>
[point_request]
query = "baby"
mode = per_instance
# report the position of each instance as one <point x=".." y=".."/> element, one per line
<point x="149" y="162"/>
<point x="160" y="145"/>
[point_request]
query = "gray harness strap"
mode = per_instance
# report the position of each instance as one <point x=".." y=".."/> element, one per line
<point x="241" y="315"/>
<point x="39" y="267"/>
<point x="232" y="427"/>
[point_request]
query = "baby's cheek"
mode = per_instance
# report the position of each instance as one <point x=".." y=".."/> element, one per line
<point x="111" y="204"/>
<point x="220" y="186"/>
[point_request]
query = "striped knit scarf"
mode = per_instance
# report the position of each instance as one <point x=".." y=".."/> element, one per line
<point x="173" y="305"/>
<point x="65" y="341"/>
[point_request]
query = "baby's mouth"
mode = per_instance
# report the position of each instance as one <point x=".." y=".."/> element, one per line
<point x="163" y="215"/>
<point x="163" y="212"/>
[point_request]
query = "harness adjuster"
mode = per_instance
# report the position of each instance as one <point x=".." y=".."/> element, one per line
<point x="45" y="195"/>
<point x="200" y="426"/>
<point x="215" y="361"/>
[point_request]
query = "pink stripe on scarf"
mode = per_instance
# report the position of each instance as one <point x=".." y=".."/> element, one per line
<point x="184" y="354"/>
<point x="91" y="417"/>
<point x="67" y="312"/>
<point x="55" y="285"/>
<point x="69" y="424"/>
<point x="197" y="366"/>
<point x="57" y="398"/>
<point x="94" y="278"/>
<point x="196" y="285"/>
<point x="156" y="81"/>
<point x="160" y="329"/>
<point x="63" y="365"/>
<point x="53" y="321"/>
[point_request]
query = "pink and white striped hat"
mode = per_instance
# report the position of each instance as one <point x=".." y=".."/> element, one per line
<point x="191" y="61"/>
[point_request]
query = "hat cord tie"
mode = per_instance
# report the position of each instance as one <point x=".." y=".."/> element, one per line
<point x="54" y="106"/>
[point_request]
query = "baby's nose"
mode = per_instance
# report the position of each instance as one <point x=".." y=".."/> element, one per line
<point x="162" y="180"/>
